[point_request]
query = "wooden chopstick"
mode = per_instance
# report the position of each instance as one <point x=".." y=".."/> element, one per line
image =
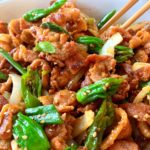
<point x="138" y="14"/>
<point x="118" y="15"/>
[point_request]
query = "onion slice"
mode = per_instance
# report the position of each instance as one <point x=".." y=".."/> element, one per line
<point x="109" y="46"/>
<point x="83" y="122"/>
<point x="142" y="94"/>
<point x="14" y="145"/>
<point x="139" y="65"/>
<point x="16" y="94"/>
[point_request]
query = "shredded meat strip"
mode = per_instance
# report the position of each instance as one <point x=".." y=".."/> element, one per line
<point x="3" y="27"/>
<point x="3" y="102"/>
<point x="139" y="111"/>
<point x="5" y="145"/>
<point x="6" y="86"/>
<point x="69" y="17"/>
<point x="141" y="56"/>
<point x="60" y="77"/>
<point x="46" y="100"/>
<point x="45" y="67"/>
<point x="73" y="56"/>
<point x="141" y="38"/>
<point x="67" y="63"/>
<point x="59" y="134"/>
<point x="122" y="92"/>
<point x="99" y="67"/>
<point x="25" y="55"/>
<point x="125" y="34"/>
<point x="124" y="145"/>
<point x="143" y="74"/>
<point x="6" y="123"/>
<point x="65" y="100"/>
<point x="6" y="120"/>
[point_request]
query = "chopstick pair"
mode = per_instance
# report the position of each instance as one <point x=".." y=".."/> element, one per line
<point x="138" y="14"/>
<point x="120" y="13"/>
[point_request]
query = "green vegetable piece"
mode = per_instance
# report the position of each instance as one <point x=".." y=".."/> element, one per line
<point x="103" y="119"/>
<point x="31" y="88"/>
<point x="9" y="58"/>
<point x="37" y="14"/>
<point x="106" y="18"/>
<point x="143" y="84"/>
<point x="100" y="89"/>
<point x="123" y="53"/>
<point x="46" y="47"/>
<point x="90" y="40"/>
<point x="3" y="76"/>
<point x="94" y="43"/>
<point x="73" y="146"/>
<point x="56" y="5"/>
<point x="44" y="114"/>
<point x="29" y="134"/>
<point x="54" y="27"/>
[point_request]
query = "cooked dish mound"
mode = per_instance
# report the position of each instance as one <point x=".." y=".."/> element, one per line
<point x="65" y="86"/>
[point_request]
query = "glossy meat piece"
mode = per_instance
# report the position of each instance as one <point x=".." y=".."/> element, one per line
<point x="139" y="111"/>
<point x="60" y="134"/>
<point x="65" y="101"/>
<point x="124" y="145"/>
<point x="3" y="102"/>
<point x="3" y="27"/>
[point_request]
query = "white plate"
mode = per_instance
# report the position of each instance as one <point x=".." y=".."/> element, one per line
<point x="10" y="9"/>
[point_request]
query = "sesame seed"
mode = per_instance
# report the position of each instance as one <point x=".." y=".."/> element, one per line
<point x="72" y="95"/>
<point x="42" y="121"/>
<point x="107" y="84"/>
<point x="25" y="148"/>
<point x="98" y="129"/>
<point x="8" y="131"/>
<point x="6" y="113"/>
<point x="43" y="115"/>
<point x="88" y="91"/>
<point x="148" y="97"/>
<point x="38" y="116"/>
<point x="104" y="88"/>
<point x="112" y="131"/>
<point x="16" y="137"/>
<point x="145" y="130"/>
<point x="146" y="116"/>
<point x="135" y="116"/>
<point x="56" y="101"/>
<point x="24" y="137"/>
<point x="94" y="134"/>
<point x="84" y="93"/>
<point x="50" y="130"/>
<point x="103" y="74"/>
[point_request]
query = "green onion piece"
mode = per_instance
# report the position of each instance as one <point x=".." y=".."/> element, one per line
<point x="54" y="27"/>
<point x="106" y="18"/>
<point x="37" y="14"/>
<point x="9" y="58"/>
<point x="44" y="114"/>
<point x="29" y="134"/>
<point x="31" y="88"/>
<point x="46" y="47"/>
<point x="123" y="53"/>
<point x="3" y="76"/>
<point x="101" y="89"/>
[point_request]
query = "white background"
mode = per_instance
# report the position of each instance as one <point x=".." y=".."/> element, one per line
<point x="10" y="9"/>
